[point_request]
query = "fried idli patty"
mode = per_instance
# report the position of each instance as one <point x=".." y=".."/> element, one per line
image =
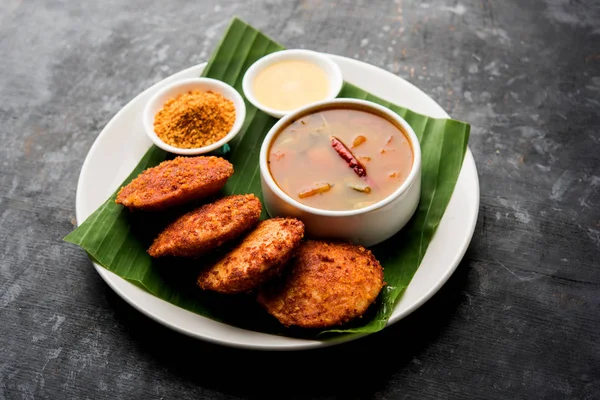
<point x="260" y="256"/>
<point x="208" y="227"/>
<point x="328" y="284"/>
<point x="176" y="182"/>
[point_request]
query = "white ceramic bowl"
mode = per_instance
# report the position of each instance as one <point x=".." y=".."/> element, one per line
<point x="157" y="101"/>
<point x="367" y="226"/>
<point x="331" y="69"/>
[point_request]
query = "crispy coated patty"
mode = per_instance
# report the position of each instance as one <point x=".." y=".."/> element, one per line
<point x="260" y="256"/>
<point x="208" y="227"/>
<point x="176" y="182"/>
<point x="327" y="284"/>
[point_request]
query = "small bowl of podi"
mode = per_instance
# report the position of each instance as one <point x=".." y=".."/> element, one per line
<point x="349" y="169"/>
<point x="194" y="116"/>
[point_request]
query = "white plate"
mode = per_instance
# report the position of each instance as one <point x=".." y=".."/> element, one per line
<point x="123" y="142"/>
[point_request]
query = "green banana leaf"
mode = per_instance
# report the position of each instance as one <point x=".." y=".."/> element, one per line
<point x="117" y="239"/>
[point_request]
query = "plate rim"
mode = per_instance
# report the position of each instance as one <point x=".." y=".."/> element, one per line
<point x="302" y="344"/>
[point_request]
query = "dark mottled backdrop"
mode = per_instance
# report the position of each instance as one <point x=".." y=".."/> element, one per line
<point x="519" y="318"/>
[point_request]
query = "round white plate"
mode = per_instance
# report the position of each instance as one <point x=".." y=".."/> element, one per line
<point x="123" y="142"/>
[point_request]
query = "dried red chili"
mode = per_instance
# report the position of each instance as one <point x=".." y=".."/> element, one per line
<point x="347" y="155"/>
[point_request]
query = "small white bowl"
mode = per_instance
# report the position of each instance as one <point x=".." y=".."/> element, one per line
<point x="179" y="87"/>
<point x="331" y="69"/>
<point x="366" y="226"/>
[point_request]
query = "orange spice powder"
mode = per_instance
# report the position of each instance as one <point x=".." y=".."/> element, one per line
<point x="194" y="119"/>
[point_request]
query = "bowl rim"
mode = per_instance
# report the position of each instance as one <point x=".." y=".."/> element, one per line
<point x="333" y="72"/>
<point x="314" y="107"/>
<point x="229" y="92"/>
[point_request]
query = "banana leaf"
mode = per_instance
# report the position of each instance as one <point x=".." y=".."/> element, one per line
<point x="117" y="239"/>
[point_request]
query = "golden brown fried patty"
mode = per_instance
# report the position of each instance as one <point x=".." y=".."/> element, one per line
<point x="208" y="227"/>
<point x="176" y="182"/>
<point x="260" y="256"/>
<point x="327" y="284"/>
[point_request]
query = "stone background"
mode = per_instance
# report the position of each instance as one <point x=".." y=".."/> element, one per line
<point x="519" y="318"/>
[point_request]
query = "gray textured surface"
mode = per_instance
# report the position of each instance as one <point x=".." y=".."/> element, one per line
<point x="520" y="317"/>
